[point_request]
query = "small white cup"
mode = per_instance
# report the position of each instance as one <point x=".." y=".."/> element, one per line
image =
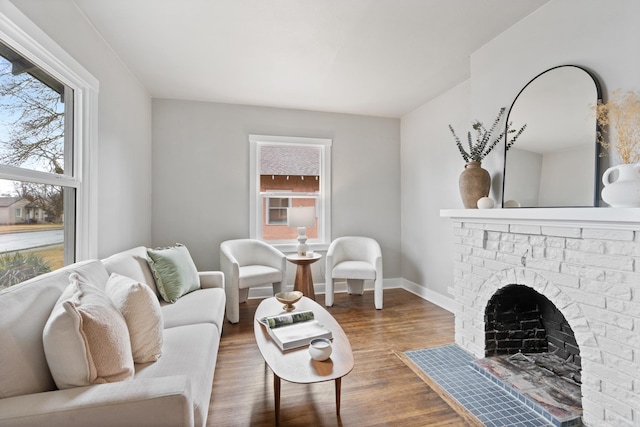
<point x="320" y="349"/>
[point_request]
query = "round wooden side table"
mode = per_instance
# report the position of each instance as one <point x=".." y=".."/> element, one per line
<point x="304" y="278"/>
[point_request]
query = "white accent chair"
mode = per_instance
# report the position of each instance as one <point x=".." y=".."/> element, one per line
<point x="355" y="259"/>
<point x="247" y="263"/>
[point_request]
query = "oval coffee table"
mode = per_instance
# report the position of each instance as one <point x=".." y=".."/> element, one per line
<point x="296" y="365"/>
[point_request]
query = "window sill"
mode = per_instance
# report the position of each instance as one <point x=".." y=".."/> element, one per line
<point x="291" y="247"/>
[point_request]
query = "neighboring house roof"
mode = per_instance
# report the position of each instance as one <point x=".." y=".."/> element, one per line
<point x="8" y="201"/>
<point x="282" y="160"/>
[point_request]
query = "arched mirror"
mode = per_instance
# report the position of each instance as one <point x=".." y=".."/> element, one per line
<point x="554" y="163"/>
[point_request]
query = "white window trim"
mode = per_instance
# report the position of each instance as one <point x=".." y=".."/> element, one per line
<point x="30" y="41"/>
<point x="255" y="221"/>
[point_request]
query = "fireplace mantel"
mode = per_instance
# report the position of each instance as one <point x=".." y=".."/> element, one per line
<point x="609" y="218"/>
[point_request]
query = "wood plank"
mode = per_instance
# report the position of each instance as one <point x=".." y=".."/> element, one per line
<point x="381" y="390"/>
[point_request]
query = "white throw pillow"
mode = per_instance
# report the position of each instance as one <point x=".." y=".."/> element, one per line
<point x="86" y="340"/>
<point x="141" y="310"/>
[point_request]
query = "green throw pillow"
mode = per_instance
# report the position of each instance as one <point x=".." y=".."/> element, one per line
<point x="174" y="271"/>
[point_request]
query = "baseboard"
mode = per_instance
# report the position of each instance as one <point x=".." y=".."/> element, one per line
<point x="427" y="294"/>
<point x="319" y="288"/>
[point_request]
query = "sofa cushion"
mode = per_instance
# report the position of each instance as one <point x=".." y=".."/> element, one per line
<point x="141" y="311"/>
<point x="191" y="351"/>
<point x="86" y="340"/>
<point x="202" y="306"/>
<point x="174" y="271"/>
<point x="132" y="263"/>
<point x="24" y="310"/>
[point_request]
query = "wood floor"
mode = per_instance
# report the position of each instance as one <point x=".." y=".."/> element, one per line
<point x="380" y="391"/>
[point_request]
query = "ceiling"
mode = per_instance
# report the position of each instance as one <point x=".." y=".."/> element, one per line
<point x="371" y="57"/>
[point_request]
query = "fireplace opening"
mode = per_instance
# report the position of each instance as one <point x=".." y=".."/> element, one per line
<point x="520" y="320"/>
<point x="530" y="346"/>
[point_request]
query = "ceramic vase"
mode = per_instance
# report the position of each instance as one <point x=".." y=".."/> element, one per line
<point x="624" y="192"/>
<point x="475" y="183"/>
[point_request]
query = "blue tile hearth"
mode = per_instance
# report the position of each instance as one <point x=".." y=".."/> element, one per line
<point x="451" y="367"/>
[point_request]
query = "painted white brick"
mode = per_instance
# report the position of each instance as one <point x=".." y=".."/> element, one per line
<point x="483" y="253"/>
<point x="605" y="316"/>
<point x="595" y="233"/>
<point x="561" y="231"/>
<point x="614" y="405"/>
<point x="492" y="235"/>
<point x="617" y="348"/>
<point x="556" y="242"/>
<point x="508" y="259"/>
<point x="622" y="248"/>
<point x="514" y="238"/>
<point x="594" y="246"/>
<point x="561" y="279"/>
<point x="591" y="299"/>
<point x="546" y="265"/>
<point x="625" y="336"/>
<point x="506" y="247"/>
<point x="538" y="240"/>
<point x="492" y="245"/>
<point x="537" y="252"/>
<point x="554" y="253"/>
<point x="622" y="379"/>
<point x="599" y="260"/>
<point x="474" y="225"/>
<point x="524" y="229"/>
<point x="583" y="271"/>
<point x="631" y="308"/>
<point x="632" y="279"/>
<point x="495" y="265"/>
<point x="497" y="227"/>
<point x="606" y="289"/>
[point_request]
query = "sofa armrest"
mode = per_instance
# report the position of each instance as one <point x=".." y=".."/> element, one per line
<point x="211" y="279"/>
<point x="164" y="401"/>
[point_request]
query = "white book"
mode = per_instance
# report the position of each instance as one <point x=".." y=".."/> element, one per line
<point x="294" y="330"/>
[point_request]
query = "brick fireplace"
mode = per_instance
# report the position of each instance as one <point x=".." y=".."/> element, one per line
<point x="586" y="264"/>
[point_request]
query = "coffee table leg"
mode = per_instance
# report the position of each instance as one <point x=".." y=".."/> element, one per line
<point x="276" y="396"/>
<point x="338" y="384"/>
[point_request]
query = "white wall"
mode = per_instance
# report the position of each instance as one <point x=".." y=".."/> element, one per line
<point x="431" y="165"/>
<point x="201" y="174"/>
<point x="124" y="126"/>
<point x="600" y="36"/>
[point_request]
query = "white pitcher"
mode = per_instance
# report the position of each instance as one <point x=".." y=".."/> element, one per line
<point x="624" y="192"/>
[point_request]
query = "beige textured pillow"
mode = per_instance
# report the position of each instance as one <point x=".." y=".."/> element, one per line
<point x="85" y="339"/>
<point x="141" y="310"/>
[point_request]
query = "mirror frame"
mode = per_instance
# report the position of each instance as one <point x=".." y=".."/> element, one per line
<point x="596" y="160"/>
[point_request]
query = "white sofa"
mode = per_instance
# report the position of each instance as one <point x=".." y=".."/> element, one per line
<point x="173" y="391"/>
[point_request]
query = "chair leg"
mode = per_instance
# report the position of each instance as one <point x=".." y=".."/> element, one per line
<point x="243" y="294"/>
<point x="233" y="311"/>
<point x="328" y="292"/>
<point x="355" y="286"/>
<point x="377" y="295"/>
<point x="278" y="287"/>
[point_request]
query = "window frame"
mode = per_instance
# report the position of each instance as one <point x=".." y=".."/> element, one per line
<point x="270" y="209"/>
<point x="23" y="36"/>
<point x="323" y="200"/>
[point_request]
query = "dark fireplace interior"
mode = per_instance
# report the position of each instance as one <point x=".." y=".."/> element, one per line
<point x="521" y="322"/>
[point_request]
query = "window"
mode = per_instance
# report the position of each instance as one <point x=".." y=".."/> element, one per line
<point x="277" y="211"/>
<point x="289" y="172"/>
<point x="48" y="106"/>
